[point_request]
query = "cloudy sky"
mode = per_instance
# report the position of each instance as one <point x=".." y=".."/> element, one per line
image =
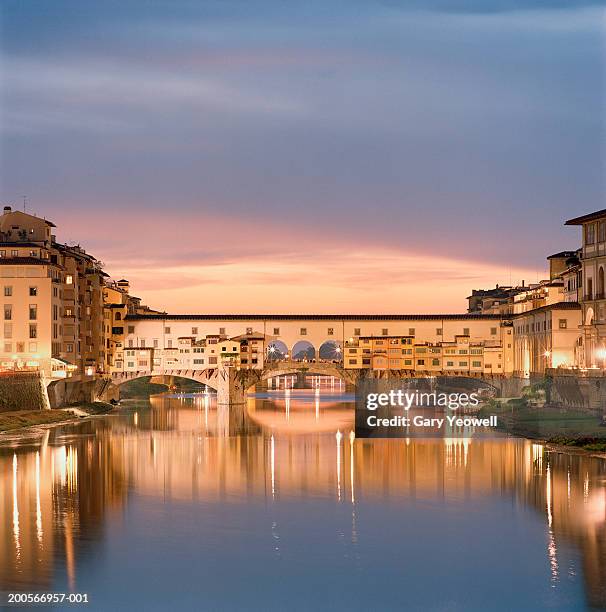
<point x="327" y="155"/>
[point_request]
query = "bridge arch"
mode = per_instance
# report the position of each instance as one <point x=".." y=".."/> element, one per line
<point x="291" y="367"/>
<point x="303" y="349"/>
<point x="277" y="350"/>
<point x="331" y="350"/>
<point x="165" y="380"/>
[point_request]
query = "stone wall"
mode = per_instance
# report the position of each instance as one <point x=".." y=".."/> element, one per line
<point x="68" y="393"/>
<point x="22" y="391"/>
<point x="586" y="392"/>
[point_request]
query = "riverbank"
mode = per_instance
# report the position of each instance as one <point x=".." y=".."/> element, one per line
<point x="22" y="419"/>
<point x="558" y="427"/>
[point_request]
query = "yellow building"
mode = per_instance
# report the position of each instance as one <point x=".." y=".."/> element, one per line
<point x="461" y="356"/>
<point x="428" y="358"/>
<point x="380" y="353"/>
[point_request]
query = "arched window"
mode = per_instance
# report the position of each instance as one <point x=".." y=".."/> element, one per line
<point x="118" y="316"/>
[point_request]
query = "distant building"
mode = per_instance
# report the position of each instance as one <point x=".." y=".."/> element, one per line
<point x="117" y="303"/>
<point x="544" y="293"/>
<point x="572" y="277"/>
<point x="493" y="301"/>
<point x="559" y="262"/>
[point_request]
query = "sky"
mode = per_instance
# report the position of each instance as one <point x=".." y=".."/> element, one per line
<point x="321" y="156"/>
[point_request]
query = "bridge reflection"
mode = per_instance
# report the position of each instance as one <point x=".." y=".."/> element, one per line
<point x="58" y="492"/>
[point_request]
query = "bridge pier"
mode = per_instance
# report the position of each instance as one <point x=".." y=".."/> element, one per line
<point x="232" y="386"/>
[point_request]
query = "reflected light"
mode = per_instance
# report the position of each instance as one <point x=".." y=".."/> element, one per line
<point x="339" y="437"/>
<point x="352" y="437"/>
<point x="273" y="467"/>
<point x="38" y="507"/>
<point x="16" y="510"/>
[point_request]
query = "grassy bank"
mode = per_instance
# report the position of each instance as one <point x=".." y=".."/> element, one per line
<point x="560" y="426"/>
<point x="27" y="418"/>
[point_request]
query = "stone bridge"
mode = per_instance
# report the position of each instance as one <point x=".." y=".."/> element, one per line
<point x="232" y="384"/>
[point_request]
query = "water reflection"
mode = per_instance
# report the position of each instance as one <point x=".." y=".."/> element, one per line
<point x="68" y="495"/>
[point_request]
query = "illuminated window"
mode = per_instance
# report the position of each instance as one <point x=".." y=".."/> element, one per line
<point x="69" y="279"/>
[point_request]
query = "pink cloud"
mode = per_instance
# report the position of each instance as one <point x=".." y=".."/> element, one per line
<point x="189" y="262"/>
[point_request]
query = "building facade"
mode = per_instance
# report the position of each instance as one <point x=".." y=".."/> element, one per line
<point x="547" y="337"/>
<point x="593" y="264"/>
<point x="52" y="301"/>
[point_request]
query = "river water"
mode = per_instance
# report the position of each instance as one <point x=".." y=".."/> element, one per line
<point x="169" y="504"/>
